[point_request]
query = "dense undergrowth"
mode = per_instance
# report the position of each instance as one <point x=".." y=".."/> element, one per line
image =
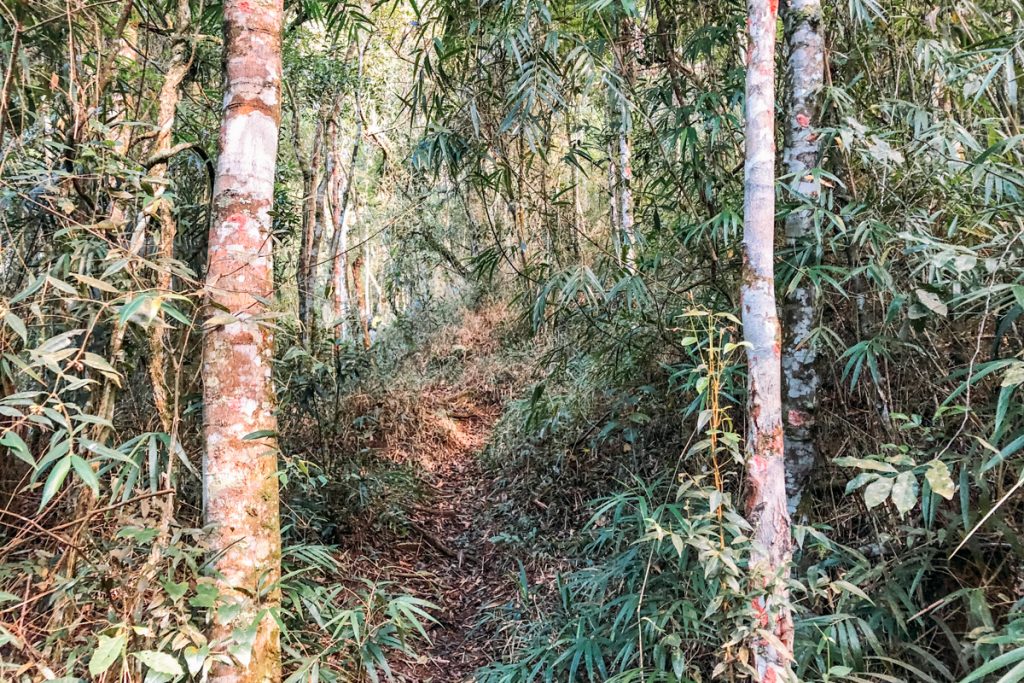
<point x="505" y="318"/>
<point x="630" y="575"/>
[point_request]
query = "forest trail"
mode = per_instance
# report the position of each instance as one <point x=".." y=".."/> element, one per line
<point x="445" y="555"/>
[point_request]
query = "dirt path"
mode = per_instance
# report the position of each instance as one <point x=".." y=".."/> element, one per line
<point x="443" y="552"/>
<point x="465" y="567"/>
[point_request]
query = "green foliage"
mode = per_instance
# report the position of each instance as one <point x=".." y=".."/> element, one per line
<point x="659" y="591"/>
<point x="340" y="632"/>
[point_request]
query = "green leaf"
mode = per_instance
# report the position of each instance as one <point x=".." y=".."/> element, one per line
<point x="904" y="492"/>
<point x="107" y="651"/>
<point x="55" y="480"/>
<point x="161" y="662"/>
<point x="260" y="434"/>
<point x="931" y="301"/>
<point x="15" y="445"/>
<point x="85" y="471"/>
<point x="176" y="591"/>
<point x="878" y="491"/>
<point x="16" y="324"/>
<point x="996" y="664"/>
<point x="93" y="282"/>
<point x="938" y="478"/>
<point x="865" y="464"/>
<point x="195" y="657"/>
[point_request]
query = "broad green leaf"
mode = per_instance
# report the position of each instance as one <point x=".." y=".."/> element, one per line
<point x="17" y="446"/>
<point x="931" y="301"/>
<point x="93" y="282"/>
<point x="904" y="492"/>
<point x="864" y="464"/>
<point x="107" y="651"/>
<point x="55" y="480"/>
<point x="878" y="491"/>
<point x="195" y="657"/>
<point x="16" y="324"/>
<point x="161" y="662"/>
<point x="938" y="478"/>
<point x="260" y="434"/>
<point x="86" y="473"/>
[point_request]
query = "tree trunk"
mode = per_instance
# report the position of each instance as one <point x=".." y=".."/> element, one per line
<point x="359" y="292"/>
<point x="613" y="203"/>
<point x="626" y="197"/>
<point x="806" y="69"/>
<point x="306" y="271"/>
<point x="240" y="490"/>
<point x="627" y="51"/>
<point x="170" y="95"/>
<point x="339" y="241"/>
<point x="766" y="504"/>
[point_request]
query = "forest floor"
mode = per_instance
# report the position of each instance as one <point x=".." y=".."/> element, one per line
<point x="445" y="554"/>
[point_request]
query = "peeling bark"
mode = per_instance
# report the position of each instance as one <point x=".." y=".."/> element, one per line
<point x="240" y="490"/>
<point x="766" y="503"/>
<point x="806" y="71"/>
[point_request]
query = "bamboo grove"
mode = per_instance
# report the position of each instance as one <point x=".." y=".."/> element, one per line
<point x="716" y="307"/>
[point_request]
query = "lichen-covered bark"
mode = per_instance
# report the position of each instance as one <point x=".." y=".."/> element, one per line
<point x="626" y="197"/>
<point x="628" y="49"/>
<point x="240" y="491"/>
<point x="805" y="72"/>
<point x="766" y="503"/>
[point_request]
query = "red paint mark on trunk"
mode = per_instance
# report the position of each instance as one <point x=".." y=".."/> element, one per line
<point x="774" y="5"/>
<point x="803" y="120"/>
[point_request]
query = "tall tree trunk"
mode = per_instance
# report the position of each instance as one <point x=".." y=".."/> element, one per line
<point x="578" y="213"/>
<point x="339" y="241"/>
<point x="240" y="491"/>
<point x="766" y="505"/>
<point x="626" y="197"/>
<point x="613" y="202"/>
<point x="359" y="293"/>
<point x="321" y="220"/>
<point x="306" y="270"/>
<point x="806" y="72"/>
<point x="628" y="47"/>
<point x="170" y="95"/>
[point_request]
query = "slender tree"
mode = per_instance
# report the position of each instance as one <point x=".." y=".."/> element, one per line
<point x="309" y="239"/>
<point x="240" y="466"/>
<point x="628" y="49"/>
<point x="341" y="184"/>
<point x="805" y="73"/>
<point x="169" y="97"/>
<point x="766" y="504"/>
